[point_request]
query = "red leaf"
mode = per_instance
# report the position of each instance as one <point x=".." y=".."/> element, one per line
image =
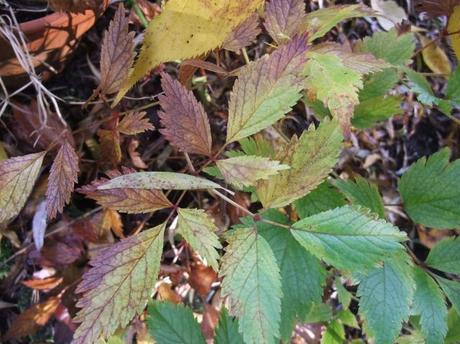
<point x="134" y="123"/>
<point x="126" y="200"/>
<point x="63" y="176"/>
<point x="186" y="123"/>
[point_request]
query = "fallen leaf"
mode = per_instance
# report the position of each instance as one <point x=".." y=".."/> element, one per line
<point x="166" y="293"/>
<point x="17" y="178"/>
<point x="243" y="35"/>
<point x="34" y="317"/>
<point x="126" y="200"/>
<point x="201" y="278"/>
<point x="61" y="181"/>
<point x="117" y="53"/>
<point x="43" y="284"/>
<point x="434" y="57"/>
<point x="134" y="123"/>
<point x="185" y="30"/>
<point x="111" y="220"/>
<point x="284" y="18"/>
<point x="209" y="322"/>
<point x="185" y="121"/>
<point x="39" y="225"/>
<point x="134" y="155"/>
<point x="149" y="9"/>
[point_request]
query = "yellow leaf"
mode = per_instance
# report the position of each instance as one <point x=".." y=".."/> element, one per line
<point x="434" y="57"/>
<point x="185" y="29"/>
<point x="454" y="26"/>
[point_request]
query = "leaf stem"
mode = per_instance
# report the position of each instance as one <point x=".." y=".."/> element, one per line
<point x="133" y="4"/>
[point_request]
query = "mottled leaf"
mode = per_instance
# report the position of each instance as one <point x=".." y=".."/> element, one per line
<point x="251" y="279"/>
<point x="361" y="192"/>
<point x="17" y="178"/>
<point x="246" y="170"/>
<point x="185" y="121"/>
<point x="62" y="178"/>
<point x="430" y="193"/>
<point x="348" y="238"/>
<point x="429" y="303"/>
<point x="118" y="285"/>
<point x="445" y="256"/>
<point x="323" y="197"/>
<point x="117" y="53"/>
<point x="227" y="330"/>
<point x="385" y="297"/>
<point x="185" y="30"/>
<point x="243" y="35"/>
<point x="199" y="230"/>
<point x="265" y="90"/>
<point x="158" y="181"/>
<point x="126" y="200"/>
<point x="134" y="123"/>
<point x="284" y="18"/>
<point x="319" y="22"/>
<point x="311" y="158"/>
<point x="170" y="323"/>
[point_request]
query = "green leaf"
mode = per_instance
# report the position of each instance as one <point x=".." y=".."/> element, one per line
<point x="429" y="190"/>
<point x="257" y="145"/>
<point x="335" y="333"/>
<point x="453" y="87"/>
<point x="453" y="333"/>
<point x="311" y="158"/>
<point x="445" y="256"/>
<point x="452" y="291"/>
<point x="390" y="46"/>
<point x="198" y="229"/>
<point x="348" y="238"/>
<point x="348" y="318"/>
<point x="247" y="170"/>
<point x="227" y="330"/>
<point x="429" y="303"/>
<point x="170" y="323"/>
<point x="266" y="90"/>
<point x="345" y="296"/>
<point x="378" y="84"/>
<point x="319" y="312"/>
<point x="324" y="197"/>
<point x="385" y="297"/>
<point x="373" y="110"/>
<point x="159" y="180"/>
<point x="319" y="22"/>
<point x="251" y="279"/>
<point x="118" y="285"/>
<point x="302" y="275"/>
<point x="361" y="192"/>
<point x="421" y="86"/>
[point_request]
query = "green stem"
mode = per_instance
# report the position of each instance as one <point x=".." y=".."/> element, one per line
<point x="133" y="4"/>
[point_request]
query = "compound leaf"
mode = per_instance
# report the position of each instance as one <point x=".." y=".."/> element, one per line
<point x="170" y="323"/>
<point x="251" y="278"/>
<point x="17" y="178"/>
<point x="348" y="238"/>
<point x="198" y="230"/>
<point x="185" y="121"/>
<point x="266" y="89"/>
<point x="430" y="193"/>
<point x="118" y="285"/>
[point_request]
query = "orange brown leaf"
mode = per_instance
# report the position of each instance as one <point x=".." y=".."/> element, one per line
<point x="134" y="123"/>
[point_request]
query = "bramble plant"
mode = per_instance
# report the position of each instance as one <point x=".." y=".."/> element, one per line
<point x="307" y="231"/>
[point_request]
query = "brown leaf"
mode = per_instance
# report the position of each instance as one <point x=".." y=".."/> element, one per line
<point x="110" y="146"/>
<point x="111" y="220"/>
<point x="116" y="53"/>
<point x="134" y="155"/>
<point x="210" y="320"/>
<point x="166" y="293"/>
<point x="186" y="123"/>
<point x="28" y="127"/>
<point x="43" y="284"/>
<point x="134" y="123"/>
<point x="126" y="200"/>
<point x="17" y="178"/>
<point x="435" y="8"/>
<point x="30" y="321"/>
<point x="243" y="35"/>
<point x="61" y="181"/>
<point x="75" y="5"/>
<point x="201" y="278"/>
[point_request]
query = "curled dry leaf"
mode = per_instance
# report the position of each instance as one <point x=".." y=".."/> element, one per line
<point x="62" y="178"/>
<point x="185" y="121"/>
<point x="117" y="53"/>
<point x="30" y="321"/>
<point x="134" y="123"/>
<point x="126" y="200"/>
<point x="111" y="220"/>
<point x="17" y="178"/>
<point x="283" y="18"/>
<point x="166" y="293"/>
<point x="243" y="35"/>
